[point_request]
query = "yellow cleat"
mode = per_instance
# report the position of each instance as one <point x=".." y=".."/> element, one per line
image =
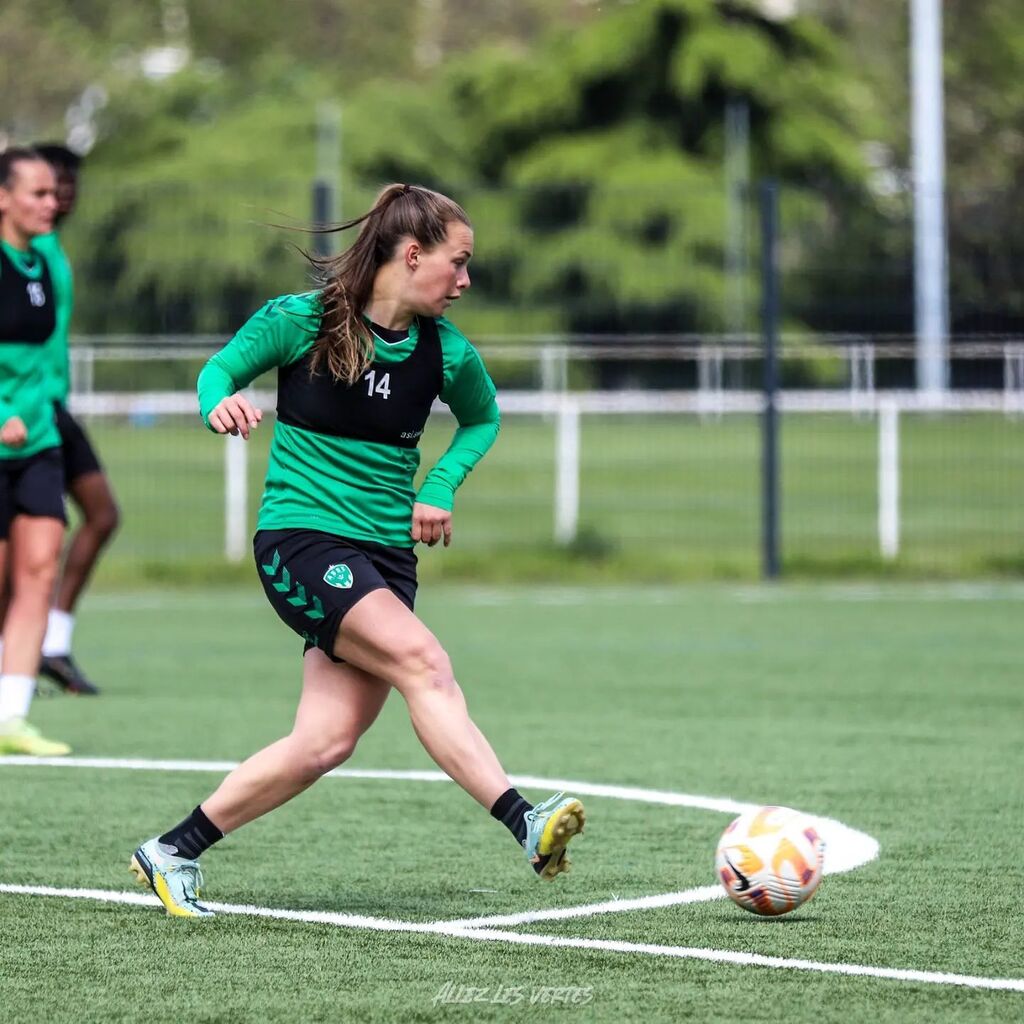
<point x="18" y="737"/>
<point x="549" y="827"/>
<point x="177" y="882"/>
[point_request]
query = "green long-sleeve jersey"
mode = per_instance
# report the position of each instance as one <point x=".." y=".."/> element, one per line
<point x="31" y="308"/>
<point x="57" y="351"/>
<point x="343" y="458"/>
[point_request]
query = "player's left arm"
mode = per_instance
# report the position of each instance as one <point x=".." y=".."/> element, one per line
<point x="470" y="394"/>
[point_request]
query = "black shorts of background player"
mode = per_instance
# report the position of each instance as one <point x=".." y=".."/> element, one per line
<point x="360" y="363"/>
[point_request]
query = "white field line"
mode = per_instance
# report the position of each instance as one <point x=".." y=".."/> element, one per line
<point x="455" y="930"/>
<point x="668" y="899"/>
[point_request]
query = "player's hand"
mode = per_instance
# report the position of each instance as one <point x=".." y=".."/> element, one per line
<point x="430" y="524"/>
<point x="13" y="433"/>
<point x="235" y="415"/>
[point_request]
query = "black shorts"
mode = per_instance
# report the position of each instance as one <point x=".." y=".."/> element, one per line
<point x="79" y="455"/>
<point x="312" y="579"/>
<point x="33" y="486"/>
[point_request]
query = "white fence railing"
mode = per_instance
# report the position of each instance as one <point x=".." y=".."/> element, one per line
<point x="567" y="408"/>
<point x="552" y="356"/>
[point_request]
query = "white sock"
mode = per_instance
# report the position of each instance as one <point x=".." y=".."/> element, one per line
<point x="15" y="696"/>
<point x="59" y="627"/>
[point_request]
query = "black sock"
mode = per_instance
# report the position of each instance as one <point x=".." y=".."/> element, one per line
<point x="509" y="809"/>
<point x="193" y="835"/>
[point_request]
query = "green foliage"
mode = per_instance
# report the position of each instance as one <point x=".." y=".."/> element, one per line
<point x="174" y="228"/>
<point x="610" y="142"/>
<point x="599" y="130"/>
<point x="45" y="60"/>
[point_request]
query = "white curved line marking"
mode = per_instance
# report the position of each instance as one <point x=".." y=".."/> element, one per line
<point x="845" y="848"/>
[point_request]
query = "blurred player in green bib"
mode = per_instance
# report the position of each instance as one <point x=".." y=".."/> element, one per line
<point x="32" y="306"/>
<point x="85" y="479"/>
<point x="359" y="365"/>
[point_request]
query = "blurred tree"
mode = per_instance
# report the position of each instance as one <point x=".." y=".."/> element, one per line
<point x="192" y="167"/>
<point x="984" y="95"/>
<point x="46" y="59"/>
<point x="985" y="142"/>
<point x="611" y="139"/>
<point x="602" y="148"/>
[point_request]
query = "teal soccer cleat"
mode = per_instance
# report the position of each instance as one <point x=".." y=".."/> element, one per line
<point x="549" y="827"/>
<point x="176" y="881"/>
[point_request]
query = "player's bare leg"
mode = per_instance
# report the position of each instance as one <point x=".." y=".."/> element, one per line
<point x="32" y="552"/>
<point x="100" y="518"/>
<point x="338" y="704"/>
<point x="383" y="636"/>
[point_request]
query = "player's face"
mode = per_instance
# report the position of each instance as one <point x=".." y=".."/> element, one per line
<point x="29" y="204"/>
<point x="67" y="191"/>
<point x="441" y="274"/>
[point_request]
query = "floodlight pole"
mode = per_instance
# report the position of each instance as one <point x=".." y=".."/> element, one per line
<point x="769" y="203"/>
<point x="931" y="274"/>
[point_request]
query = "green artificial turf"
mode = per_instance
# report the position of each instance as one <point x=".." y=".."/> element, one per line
<point x="896" y="710"/>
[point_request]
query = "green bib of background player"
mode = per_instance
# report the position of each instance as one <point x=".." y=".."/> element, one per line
<point x="31" y="308"/>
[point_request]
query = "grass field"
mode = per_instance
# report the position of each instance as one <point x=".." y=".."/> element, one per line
<point x="897" y="711"/>
<point x="661" y="498"/>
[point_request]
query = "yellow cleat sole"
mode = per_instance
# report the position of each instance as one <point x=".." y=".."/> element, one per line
<point x="31" y="747"/>
<point x="568" y="822"/>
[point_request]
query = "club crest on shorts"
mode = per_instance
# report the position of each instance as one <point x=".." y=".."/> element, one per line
<point x="339" y="576"/>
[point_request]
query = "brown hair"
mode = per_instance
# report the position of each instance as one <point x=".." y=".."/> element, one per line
<point x="345" y="345"/>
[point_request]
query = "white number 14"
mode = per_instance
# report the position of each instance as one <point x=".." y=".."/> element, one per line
<point x="380" y="387"/>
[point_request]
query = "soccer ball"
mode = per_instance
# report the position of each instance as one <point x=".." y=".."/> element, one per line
<point x="770" y="860"/>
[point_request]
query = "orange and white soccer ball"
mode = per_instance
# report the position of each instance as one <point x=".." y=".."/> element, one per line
<point x="770" y="860"/>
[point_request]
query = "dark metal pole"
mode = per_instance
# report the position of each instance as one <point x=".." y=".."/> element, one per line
<point x="769" y="196"/>
<point x="326" y="201"/>
<point x="323" y="216"/>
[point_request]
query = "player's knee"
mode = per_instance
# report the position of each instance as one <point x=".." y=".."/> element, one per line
<point x="424" y="664"/>
<point x="36" y="574"/>
<point x="323" y="754"/>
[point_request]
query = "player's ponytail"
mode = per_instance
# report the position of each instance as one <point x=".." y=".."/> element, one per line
<point x="344" y="346"/>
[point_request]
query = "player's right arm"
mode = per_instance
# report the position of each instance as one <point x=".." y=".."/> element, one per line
<point x="278" y="334"/>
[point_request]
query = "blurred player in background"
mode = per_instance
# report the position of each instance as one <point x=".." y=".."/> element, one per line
<point x="359" y="365"/>
<point x="31" y="467"/>
<point x="85" y="480"/>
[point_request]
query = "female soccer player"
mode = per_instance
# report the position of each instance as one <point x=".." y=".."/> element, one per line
<point x="359" y="364"/>
<point x="31" y="469"/>
<point x="87" y="484"/>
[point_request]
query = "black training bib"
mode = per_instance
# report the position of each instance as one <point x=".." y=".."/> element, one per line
<point x="28" y="311"/>
<point x="389" y="404"/>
